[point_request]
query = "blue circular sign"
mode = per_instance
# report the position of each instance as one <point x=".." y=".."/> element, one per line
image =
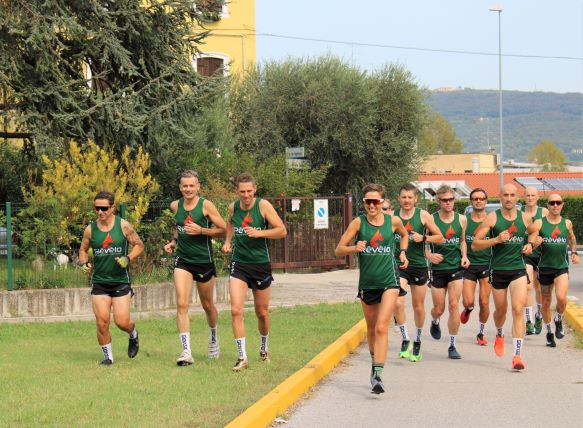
<point x="321" y="212"/>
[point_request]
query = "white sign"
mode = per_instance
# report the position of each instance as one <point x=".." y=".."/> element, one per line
<point x="320" y="213"/>
<point x="297" y="163"/>
<point x="296" y="204"/>
<point x="294" y="152"/>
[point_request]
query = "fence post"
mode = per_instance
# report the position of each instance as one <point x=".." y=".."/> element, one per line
<point x="122" y="211"/>
<point x="9" y="244"/>
<point x="347" y="220"/>
<point x="286" y="239"/>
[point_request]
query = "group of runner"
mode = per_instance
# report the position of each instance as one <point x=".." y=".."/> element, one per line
<point x="499" y="252"/>
<point x="400" y="252"/>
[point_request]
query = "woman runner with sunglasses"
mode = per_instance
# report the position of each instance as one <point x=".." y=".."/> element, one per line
<point x="378" y="285"/>
<point x="109" y="237"/>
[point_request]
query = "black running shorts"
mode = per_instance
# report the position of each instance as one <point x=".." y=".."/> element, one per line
<point x="533" y="261"/>
<point x="442" y="278"/>
<point x="200" y="272"/>
<point x="415" y="275"/>
<point x="501" y="279"/>
<point x="546" y="276"/>
<point x="111" y="289"/>
<point x="257" y="276"/>
<point x="373" y="297"/>
<point x="473" y="273"/>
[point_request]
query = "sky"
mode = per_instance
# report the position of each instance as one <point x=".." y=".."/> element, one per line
<point x="529" y="27"/>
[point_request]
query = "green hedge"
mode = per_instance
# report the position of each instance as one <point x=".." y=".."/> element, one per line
<point x="573" y="210"/>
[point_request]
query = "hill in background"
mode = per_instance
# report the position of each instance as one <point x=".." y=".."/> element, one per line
<point x="529" y="117"/>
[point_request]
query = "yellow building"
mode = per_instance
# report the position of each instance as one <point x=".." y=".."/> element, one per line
<point x="461" y="163"/>
<point x="231" y="43"/>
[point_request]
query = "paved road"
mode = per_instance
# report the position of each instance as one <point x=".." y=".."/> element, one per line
<point x="479" y="390"/>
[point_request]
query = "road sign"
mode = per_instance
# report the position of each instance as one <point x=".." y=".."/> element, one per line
<point x="320" y="213"/>
<point x="294" y="152"/>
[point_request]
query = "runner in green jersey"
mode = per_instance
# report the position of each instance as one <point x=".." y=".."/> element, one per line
<point x="447" y="262"/>
<point x="507" y="227"/>
<point x="535" y="212"/>
<point x="479" y="269"/>
<point x="108" y="238"/>
<point x="378" y="285"/>
<point x="247" y="234"/>
<point x="557" y="235"/>
<point x="192" y="244"/>
<point x="421" y="229"/>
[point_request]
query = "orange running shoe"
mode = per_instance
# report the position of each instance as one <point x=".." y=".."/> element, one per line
<point x="517" y="363"/>
<point x="481" y="340"/>
<point x="499" y="345"/>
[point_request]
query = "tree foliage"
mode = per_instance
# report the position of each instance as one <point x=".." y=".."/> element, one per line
<point x="438" y="137"/>
<point x="62" y="205"/>
<point x="364" y="126"/>
<point x="548" y="156"/>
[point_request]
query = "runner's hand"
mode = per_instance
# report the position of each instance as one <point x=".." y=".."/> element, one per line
<point x="86" y="268"/>
<point x="404" y="260"/>
<point x="226" y="248"/>
<point x="527" y="249"/>
<point x="360" y="246"/>
<point x="416" y="237"/>
<point x="434" y="258"/>
<point x="169" y="247"/>
<point x="252" y="232"/>
<point x="575" y="258"/>
<point x="465" y="262"/>
<point x="123" y="261"/>
<point x="504" y="236"/>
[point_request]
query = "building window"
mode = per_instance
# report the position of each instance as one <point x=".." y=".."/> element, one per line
<point x="209" y="64"/>
<point x="211" y="10"/>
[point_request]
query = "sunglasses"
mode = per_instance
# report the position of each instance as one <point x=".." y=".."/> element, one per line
<point x="555" y="203"/>
<point x="447" y="200"/>
<point x="478" y="199"/>
<point x="375" y="202"/>
<point x="386" y="208"/>
<point x="102" y="208"/>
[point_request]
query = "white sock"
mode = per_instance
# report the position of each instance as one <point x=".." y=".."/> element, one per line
<point x="107" y="352"/>
<point x="435" y="321"/>
<point x="418" y="338"/>
<point x="517" y="346"/>
<point x="404" y="332"/>
<point x="134" y="333"/>
<point x="539" y="307"/>
<point x="558" y="317"/>
<point x="500" y="331"/>
<point x="482" y="326"/>
<point x="263" y="346"/>
<point x="452" y="339"/>
<point x="185" y="341"/>
<point x="528" y="313"/>
<point x="548" y="327"/>
<point x="214" y="336"/>
<point x="240" y="342"/>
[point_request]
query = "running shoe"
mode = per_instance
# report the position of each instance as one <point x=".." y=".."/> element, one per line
<point x="214" y="350"/>
<point x="465" y="316"/>
<point x="559" y="332"/>
<point x="133" y="346"/>
<point x="529" y="328"/>
<point x="264" y="357"/>
<point x="453" y="353"/>
<point x="435" y="331"/>
<point x="106" y="362"/>
<point x="405" y="347"/>
<point x="551" y="340"/>
<point x="185" y="358"/>
<point x="538" y="324"/>
<point x="377" y="385"/>
<point x="416" y="354"/>
<point x="517" y="363"/>
<point x="481" y="340"/>
<point x="499" y="345"/>
<point x="240" y="365"/>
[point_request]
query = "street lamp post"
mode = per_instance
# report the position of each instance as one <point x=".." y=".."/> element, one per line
<point x="499" y="10"/>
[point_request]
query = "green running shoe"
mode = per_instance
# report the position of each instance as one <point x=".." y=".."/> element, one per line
<point x="416" y="355"/>
<point x="529" y="328"/>
<point x="538" y="324"/>
<point x="405" y="348"/>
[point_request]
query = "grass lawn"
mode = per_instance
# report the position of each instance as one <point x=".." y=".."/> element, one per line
<point x="50" y="375"/>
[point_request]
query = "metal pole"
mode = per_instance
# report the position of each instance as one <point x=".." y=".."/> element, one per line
<point x="500" y="97"/>
<point x="9" y="244"/>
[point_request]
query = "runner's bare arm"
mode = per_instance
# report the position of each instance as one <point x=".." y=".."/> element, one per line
<point x="404" y="243"/>
<point x="572" y="240"/>
<point x="479" y="242"/>
<point x="218" y="231"/>
<point x="463" y="244"/>
<point x="531" y="244"/>
<point x="229" y="232"/>
<point x="170" y="246"/>
<point x="277" y="229"/>
<point x="435" y="236"/>
<point x="133" y="239"/>
<point x="84" y="249"/>
<point x="343" y="249"/>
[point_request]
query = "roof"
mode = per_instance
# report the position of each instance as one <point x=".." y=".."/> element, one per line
<point x="490" y="182"/>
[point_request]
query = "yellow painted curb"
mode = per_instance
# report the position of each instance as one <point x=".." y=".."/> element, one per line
<point x="264" y="411"/>
<point x="574" y="316"/>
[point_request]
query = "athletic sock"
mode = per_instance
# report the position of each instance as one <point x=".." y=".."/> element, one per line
<point x="517" y="346"/>
<point x="482" y="326"/>
<point x="263" y="345"/>
<point x="435" y="321"/>
<point x="539" y="308"/>
<point x="452" y="340"/>
<point x="500" y="331"/>
<point x="548" y="327"/>
<point x="377" y="369"/>
<point x="107" y="352"/>
<point x="418" y="338"/>
<point x="134" y="333"/>
<point x="214" y="335"/>
<point x="558" y="317"/>
<point x="528" y="313"/>
<point x="185" y="341"/>
<point x="468" y="310"/>
<point x="371" y="364"/>
<point x="404" y="332"/>
<point x="240" y="342"/>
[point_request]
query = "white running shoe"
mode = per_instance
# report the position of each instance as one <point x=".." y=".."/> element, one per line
<point x="214" y="350"/>
<point x="185" y="358"/>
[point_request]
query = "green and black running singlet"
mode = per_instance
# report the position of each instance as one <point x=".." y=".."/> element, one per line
<point x="106" y="247"/>
<point x="451" y="248"/>
<point x="378" y="269"/>
<point x="538" y="215"/>
<point x="245" y="249"/>
<point x="481" y="257"/>
<point x="193" y="249"/>
<point x="508" y="255"/>
<point x="554" y="246"/>
<point x="416" y="250"/>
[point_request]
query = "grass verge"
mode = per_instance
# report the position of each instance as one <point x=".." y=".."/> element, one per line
<point x="50" y="374"/>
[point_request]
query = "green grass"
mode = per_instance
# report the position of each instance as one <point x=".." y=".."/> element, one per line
<point x="577" y="338"/>
<point x="50" y="374"/>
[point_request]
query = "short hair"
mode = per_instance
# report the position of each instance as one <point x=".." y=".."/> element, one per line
<point x="189" y="173"/>
<point x="245" y="177"/>
<point x="374" y="188"/>
<point x="105" y="195"/>
<point x="409" y="187"/>
<point x="477" y="190"/>
<point x="444" y="188"/>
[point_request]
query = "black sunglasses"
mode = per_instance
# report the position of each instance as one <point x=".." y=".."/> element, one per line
<point x="102" y="208"/>
<point x="446" y="200"/>
<point x="555" y="203"/>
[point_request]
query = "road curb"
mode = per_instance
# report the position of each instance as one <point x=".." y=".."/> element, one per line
<point x="264" y="411"/>
<point x="574" y="316"/>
